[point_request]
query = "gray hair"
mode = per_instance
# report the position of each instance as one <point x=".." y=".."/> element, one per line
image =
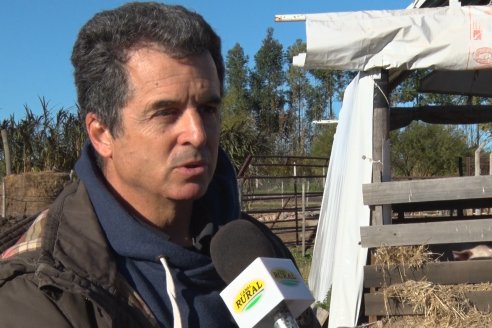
<point x="101" y="51"/>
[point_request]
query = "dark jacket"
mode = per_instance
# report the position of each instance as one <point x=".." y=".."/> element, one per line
<point x="62" y="273"/>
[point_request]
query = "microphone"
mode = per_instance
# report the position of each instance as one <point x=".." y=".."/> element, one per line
<point x="265" y="289"/>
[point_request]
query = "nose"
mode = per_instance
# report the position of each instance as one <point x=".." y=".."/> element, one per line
<point x="192" y="128"/>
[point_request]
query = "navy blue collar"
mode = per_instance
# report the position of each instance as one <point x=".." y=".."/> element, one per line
<point x="218" y="206"/>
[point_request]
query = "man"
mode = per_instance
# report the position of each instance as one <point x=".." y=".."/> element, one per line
<point x="128" y="244"/>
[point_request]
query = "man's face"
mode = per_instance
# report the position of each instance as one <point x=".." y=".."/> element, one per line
<point x="168" y="144"/>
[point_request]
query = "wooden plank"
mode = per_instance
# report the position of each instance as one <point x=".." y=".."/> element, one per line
<point x="471" y="114"/>
<point x="460" y="231"/>
<point x="443" y="273"/>
<point x="443" y="205"/>
<point x="374" y="304"/>
<point x="449" y="219"/>
<point x="415" y="191"/>
<point x="481" y="299"/>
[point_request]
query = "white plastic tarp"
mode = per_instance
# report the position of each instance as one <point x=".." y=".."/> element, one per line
<point x="454" y="38"/>
<point x="342" y="210"/>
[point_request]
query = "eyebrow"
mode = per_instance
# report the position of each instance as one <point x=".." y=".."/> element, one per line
<point x="212" y="99"/>
<point x="161" y="103"/>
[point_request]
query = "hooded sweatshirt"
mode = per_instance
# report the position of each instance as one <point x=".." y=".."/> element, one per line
<point x="139" y="246"/>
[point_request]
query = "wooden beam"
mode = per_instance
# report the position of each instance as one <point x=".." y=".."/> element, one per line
<point x="401" y="117"/>
<point x="427" y="233"/>
<point x="429" y="190"/>
<point x="290" y="18"/>
<point x="374" y="304"/>
<point x="443" y="273"/>
<point x="459" y="205"/>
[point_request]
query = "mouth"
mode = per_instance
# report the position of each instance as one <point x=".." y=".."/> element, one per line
<point x="193" y="164"/>
<point x="192" y="168"/>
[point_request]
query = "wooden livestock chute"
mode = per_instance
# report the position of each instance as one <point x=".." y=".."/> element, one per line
<point x="392" y="202"/>
<point x="452" y="46"/>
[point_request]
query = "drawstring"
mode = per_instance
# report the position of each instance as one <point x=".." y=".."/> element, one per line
<point x="171" y="291"/>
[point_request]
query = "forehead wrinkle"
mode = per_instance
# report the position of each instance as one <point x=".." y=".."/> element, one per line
<point x="198" y="89"/>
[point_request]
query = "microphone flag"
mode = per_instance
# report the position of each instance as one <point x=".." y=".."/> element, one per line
<point x="254" y="295"/>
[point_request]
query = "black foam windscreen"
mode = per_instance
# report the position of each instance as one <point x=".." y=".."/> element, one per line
<point x="236" y="245"/>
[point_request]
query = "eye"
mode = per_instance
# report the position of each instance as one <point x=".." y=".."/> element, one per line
<point x="209" y="109"/>
<point x="166" y="112"/>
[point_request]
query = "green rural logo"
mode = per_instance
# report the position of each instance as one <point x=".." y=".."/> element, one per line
<point x="249" y="295"/>
<point x="285" y="277"/>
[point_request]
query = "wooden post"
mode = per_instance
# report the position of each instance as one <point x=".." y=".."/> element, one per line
<point x="307" y="197"/>
<point x="282" y="191"/>
<point x="295" y="204"/>
<point x="239" y="190"/>
<point x="490" y="164"/>
<point x="8" y="169"/>
<point x="380" y="139"/>
<point x="4" y="200"/>
<point x="380" y="152"/>
<point x="459" y="212"/>
<point x="6" y="151"/>
<point x="478" y="151"/>
<point x="303" y="218"/>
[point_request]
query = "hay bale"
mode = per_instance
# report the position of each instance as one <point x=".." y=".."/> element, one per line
<point x="442" y="306"/>
<point x="411" y="256"/>
<point x="29" y="193"/>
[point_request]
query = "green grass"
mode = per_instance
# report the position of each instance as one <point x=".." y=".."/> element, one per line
<point x="303" y="262"/>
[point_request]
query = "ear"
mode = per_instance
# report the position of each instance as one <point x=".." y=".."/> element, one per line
<point x="461" y="255"/>
<point x="99" y="135"/>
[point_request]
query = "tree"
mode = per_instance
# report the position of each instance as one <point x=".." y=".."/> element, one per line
<point x="427" y="150"/>
<point x="266" y="84"/>
<point x="323" y="140"/>
<point x="330" y="86"/>
<point x="239" y="135"/>
<point x="236" y="99"/>
<point x="239" y="139"/>
<point x="298" y="94"/>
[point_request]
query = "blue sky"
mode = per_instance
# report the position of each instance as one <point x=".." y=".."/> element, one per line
<point x="36" y="39"/>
